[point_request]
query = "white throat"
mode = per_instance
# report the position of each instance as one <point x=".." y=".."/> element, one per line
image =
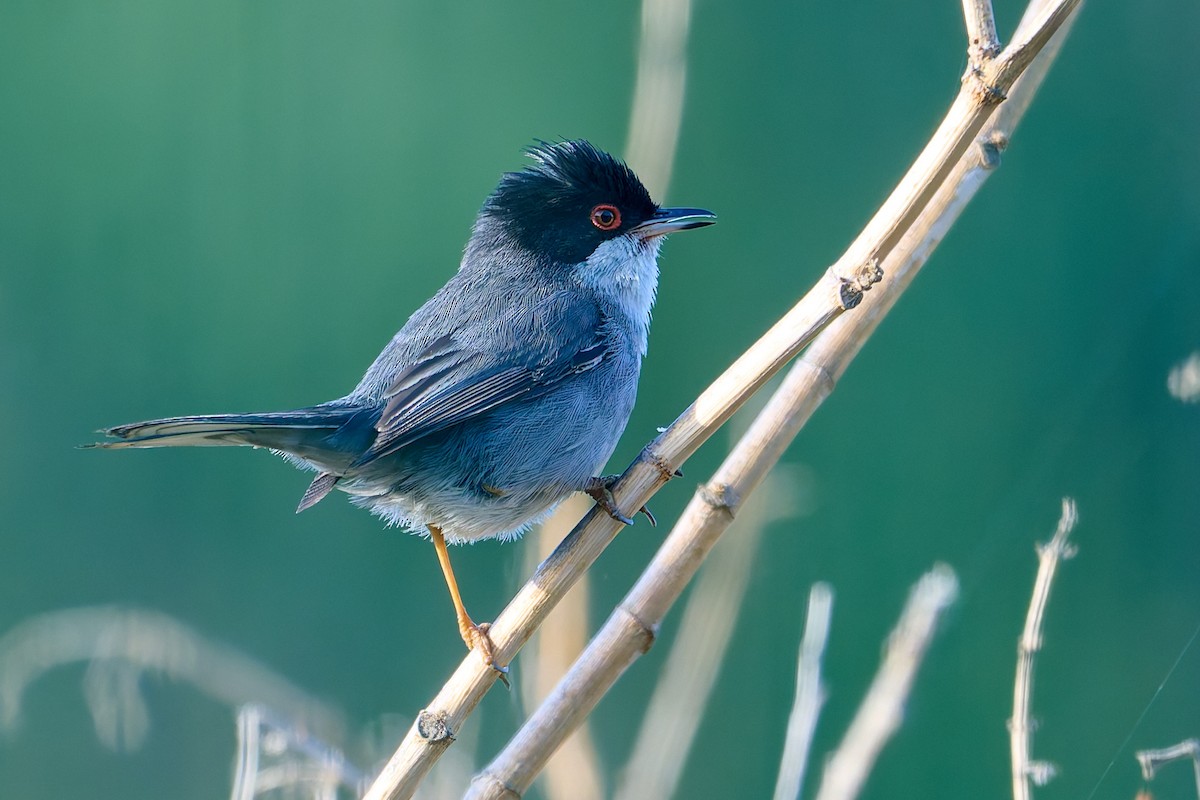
<point x="625" y="269"/>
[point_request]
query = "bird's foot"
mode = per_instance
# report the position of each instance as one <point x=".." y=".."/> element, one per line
<point x="600" y="490"/>
<point x="476" y="638"/>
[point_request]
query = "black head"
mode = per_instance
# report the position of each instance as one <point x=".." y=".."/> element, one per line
<point x="573" y="198"/>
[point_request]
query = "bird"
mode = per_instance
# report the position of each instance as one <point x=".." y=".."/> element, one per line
<point x="506" y="391"/>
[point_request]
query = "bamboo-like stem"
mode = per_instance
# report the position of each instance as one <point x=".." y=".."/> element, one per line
<point x="654" y="124"/>
<point x="575" y="772"/>
<point x="810" y="694"/>
<point x="434" y="730"/>
<point x="1041" y="21"/>
<point x="982" y="41"/>
<point x="631" y="628"/>
<point x="686" y="680"/>
<point x="805" y="387"/>
<point x="881" y="710"/>
<point x="841" y="287"/>
<point x="1025" y="771"/>
<point x="983" y="89"/>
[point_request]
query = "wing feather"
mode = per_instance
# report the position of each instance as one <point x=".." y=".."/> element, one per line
<point x="450" y="382"/>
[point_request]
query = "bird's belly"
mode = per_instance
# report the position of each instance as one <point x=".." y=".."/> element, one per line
<point x="495" y="476"/>
<point x="463" y="516"/>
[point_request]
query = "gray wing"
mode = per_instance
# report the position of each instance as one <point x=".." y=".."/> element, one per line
<point x="453" y="380"/>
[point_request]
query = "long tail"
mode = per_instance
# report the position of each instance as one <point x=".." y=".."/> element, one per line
<point x="310" y="434"/>
<point x="327" y="437"/>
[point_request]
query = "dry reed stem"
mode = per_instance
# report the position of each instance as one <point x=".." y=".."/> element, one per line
<point x="805" y="387"/>
<point x="882" y="710"/>
<point x="982" y="40"/>
<point x="841" y="287"/>
<point x="690" y="672"/>
<point x="810" y="694"/>
<point x="437" y="724"/>
<point x="654" y="124"/>
<point x="574" y="773"/>
<point x="1025" y="771"/>
<point x="140" y="641"/>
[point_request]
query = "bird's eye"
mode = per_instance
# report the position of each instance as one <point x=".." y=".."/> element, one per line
<point x="606" y="217"/>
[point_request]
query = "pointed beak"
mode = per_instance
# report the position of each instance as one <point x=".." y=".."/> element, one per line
<point x="669" y="220"/>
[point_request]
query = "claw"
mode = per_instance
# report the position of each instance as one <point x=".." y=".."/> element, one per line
<point x="476" y="637"/>
<point x="600" y="490"/>
<point x="616" y="514"/>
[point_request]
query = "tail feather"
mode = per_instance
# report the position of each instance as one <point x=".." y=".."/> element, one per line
<point x="216" y="427"/>
<point x="321" y="486"/>
<point x="304" y="434"/>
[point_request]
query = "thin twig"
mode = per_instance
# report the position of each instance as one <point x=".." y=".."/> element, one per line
<point x="574" y="773"/>
<point x="248" y="747"/>
<point x="436" y="725"/>
<point x="840" y="288"/>
<point x="630" y="630"/>
<point x="1151" y="760"/>
<point x="673" y="714"/>
<point x="654" y="125"/>
<point x="1030" y="38"/>
<point x="810" y="695"/>
<point x="982" y="41"/>
<point x="883" y="708"/>
<point x="1025" y="771"/>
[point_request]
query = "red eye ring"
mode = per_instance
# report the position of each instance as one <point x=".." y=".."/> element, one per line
<point x="606" y="217"/>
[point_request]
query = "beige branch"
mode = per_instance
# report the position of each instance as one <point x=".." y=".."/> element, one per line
<point x="575" y="772"/>
<point x="687" y="678"/>
<point x="1041" y="21"/>
<point x="1025" y="771"/>
<point x="654" y="125"/>
<point x="810" y="695"/>
<point x="982" y="41"/>
<point x="630" y="629"/>
<point x="840" y="288"/>
<point x="435" y="727"/>
<point x="882" y="709"/>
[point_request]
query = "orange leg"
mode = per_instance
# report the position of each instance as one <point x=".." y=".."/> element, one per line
<point x="474" y="635"/>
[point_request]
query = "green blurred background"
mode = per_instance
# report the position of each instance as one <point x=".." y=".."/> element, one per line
<point x="231" y="206"/>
